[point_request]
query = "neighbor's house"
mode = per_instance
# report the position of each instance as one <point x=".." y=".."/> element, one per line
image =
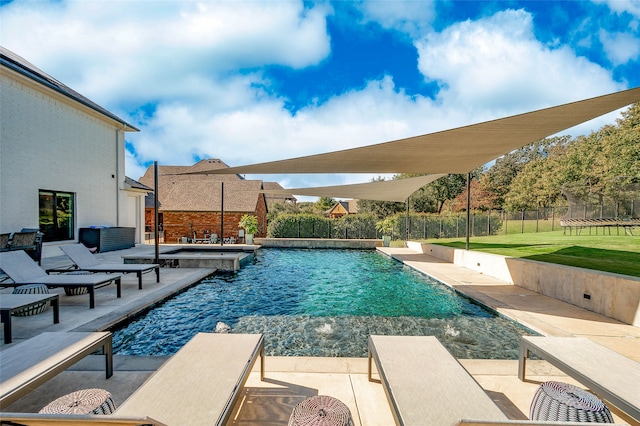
<point x="343" y="208"/>
<point x="191" y="201"/>
<point x="273" y="199"/>
<point x="61" y="159"/>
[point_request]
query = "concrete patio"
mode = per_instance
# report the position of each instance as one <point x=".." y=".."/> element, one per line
<point x="291" y="379"/>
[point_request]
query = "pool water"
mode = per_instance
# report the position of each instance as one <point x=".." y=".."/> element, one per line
<point x="322" y="303"/>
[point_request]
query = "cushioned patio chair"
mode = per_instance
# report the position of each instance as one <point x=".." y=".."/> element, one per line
<point x="23" y="270"/>
<point x="84" y="260"/>
<point x="4" y="241"/>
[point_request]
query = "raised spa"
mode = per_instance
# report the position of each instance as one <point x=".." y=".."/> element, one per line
<point x="222" y="258"/>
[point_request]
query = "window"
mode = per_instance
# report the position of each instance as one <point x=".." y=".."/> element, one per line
<point x="57" y="215"/>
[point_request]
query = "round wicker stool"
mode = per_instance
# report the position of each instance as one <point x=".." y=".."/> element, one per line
<point x="38" y="308"/>
<point x="85" y="401"/>
<point x="321" y="410"/>
<point x="76" y="291"/>
<point x="555" y="401"/>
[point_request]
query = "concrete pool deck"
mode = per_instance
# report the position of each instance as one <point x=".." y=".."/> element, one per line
<point x="291" y="379"/>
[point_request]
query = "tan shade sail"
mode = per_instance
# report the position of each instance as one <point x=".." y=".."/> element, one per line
<point x="388" y="190"/>
<point x="458" y="150"/>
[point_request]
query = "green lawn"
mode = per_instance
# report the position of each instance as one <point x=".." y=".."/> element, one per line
<point x="611" y="253"/>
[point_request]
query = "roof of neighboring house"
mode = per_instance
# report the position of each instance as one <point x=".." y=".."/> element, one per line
<point x="350" y="206"/>
<point x="22" y="66"/>
<point x="198" y="168"/>
<point x="202" y="192"/>
<point x="276" y="197"/>
<point x="134" y="184"/>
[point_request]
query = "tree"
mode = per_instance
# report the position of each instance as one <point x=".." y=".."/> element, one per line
<point x="325" y="203"/>
<point x="446" y="188"/>
<point x="592" y="168"/>
<point x="278" y="208"/>
<point x="481" y="199"/>
<point x="498" y="179"/>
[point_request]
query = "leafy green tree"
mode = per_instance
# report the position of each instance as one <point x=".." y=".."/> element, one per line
<point x="497" y="180"/>
<point x="591" y="168"/>
<point x="433" y="197"/>
<point x="325" y="203"/>
<point x="278" y="208"/>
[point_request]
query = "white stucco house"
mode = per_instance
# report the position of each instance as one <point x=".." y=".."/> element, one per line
<point x="61" y="159"/>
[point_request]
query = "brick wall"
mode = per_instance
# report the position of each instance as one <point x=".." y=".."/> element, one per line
<point x="178" y="224"/>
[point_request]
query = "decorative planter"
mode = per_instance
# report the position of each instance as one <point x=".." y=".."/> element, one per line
<point x="248" y="238"/>
<point x="386" y="240"/>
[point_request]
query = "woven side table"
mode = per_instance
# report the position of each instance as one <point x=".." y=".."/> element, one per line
<point x="37" y="308"/>
<point x="76" y="291"/>
<point x="321" y="410"/>
<point x="85" y="401"/>
<point x="555" y="401"/>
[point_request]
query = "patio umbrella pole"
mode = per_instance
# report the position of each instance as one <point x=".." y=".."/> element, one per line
<point x="221" y="214"/>
<point x="156" y="235"/>
<point x="406" y="224"/>
<point x="468" y="208"/>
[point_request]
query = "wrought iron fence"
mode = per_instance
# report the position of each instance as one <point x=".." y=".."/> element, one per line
<point x="422" y="226"/>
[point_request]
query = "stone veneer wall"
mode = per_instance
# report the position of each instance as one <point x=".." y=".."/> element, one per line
<point x="613" y="295"/>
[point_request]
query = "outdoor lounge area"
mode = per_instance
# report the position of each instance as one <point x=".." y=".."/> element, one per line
<point x="272" y="390"/>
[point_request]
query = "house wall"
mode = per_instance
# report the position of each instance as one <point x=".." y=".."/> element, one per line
<point x="135" y="215"/>
<point x="184" y="224"/>
<point x="54" y="143"/>
<point x="178" y="224"/>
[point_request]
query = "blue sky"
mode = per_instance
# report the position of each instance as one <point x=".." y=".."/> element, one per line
<point x="253" y="81"/>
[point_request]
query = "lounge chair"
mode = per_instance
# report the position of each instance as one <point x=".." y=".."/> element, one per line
<point x="30" y="363"/>
<point x="74" y="419"/>
<point x="29" y="240"/>
<point x="23" y="270"/>
<point x="200" y="384"/>
<point x="467" y="422"/>
<point x="425" y="384"/>
<point x="85" y="261"/>
<point x="10" y="303"/>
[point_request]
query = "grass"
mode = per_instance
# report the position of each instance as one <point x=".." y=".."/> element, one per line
<point x="611" y="253"/>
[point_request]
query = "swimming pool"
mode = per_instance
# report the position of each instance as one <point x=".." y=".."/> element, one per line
<point x="322" y="303"/>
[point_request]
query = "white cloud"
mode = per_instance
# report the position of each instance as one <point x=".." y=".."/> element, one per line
<point x="620" y="6"/>
<point x="189" y="59"/>
<point x="411" y="17"/>
<point x="135" y="51"/>
<point x="496" y="66"/>
<point x="620" y="48"/>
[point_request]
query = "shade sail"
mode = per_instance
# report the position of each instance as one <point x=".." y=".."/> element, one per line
<point x="457" y="150"/>
<point x="388" y="190"/>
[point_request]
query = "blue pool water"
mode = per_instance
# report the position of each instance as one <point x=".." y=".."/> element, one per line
<point x="322" y="303"/>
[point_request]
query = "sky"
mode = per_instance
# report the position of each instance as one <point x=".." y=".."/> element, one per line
<point x="254" y="81"/>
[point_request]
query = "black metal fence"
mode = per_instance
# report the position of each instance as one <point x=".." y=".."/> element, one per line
<point x="422" y="226"/>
